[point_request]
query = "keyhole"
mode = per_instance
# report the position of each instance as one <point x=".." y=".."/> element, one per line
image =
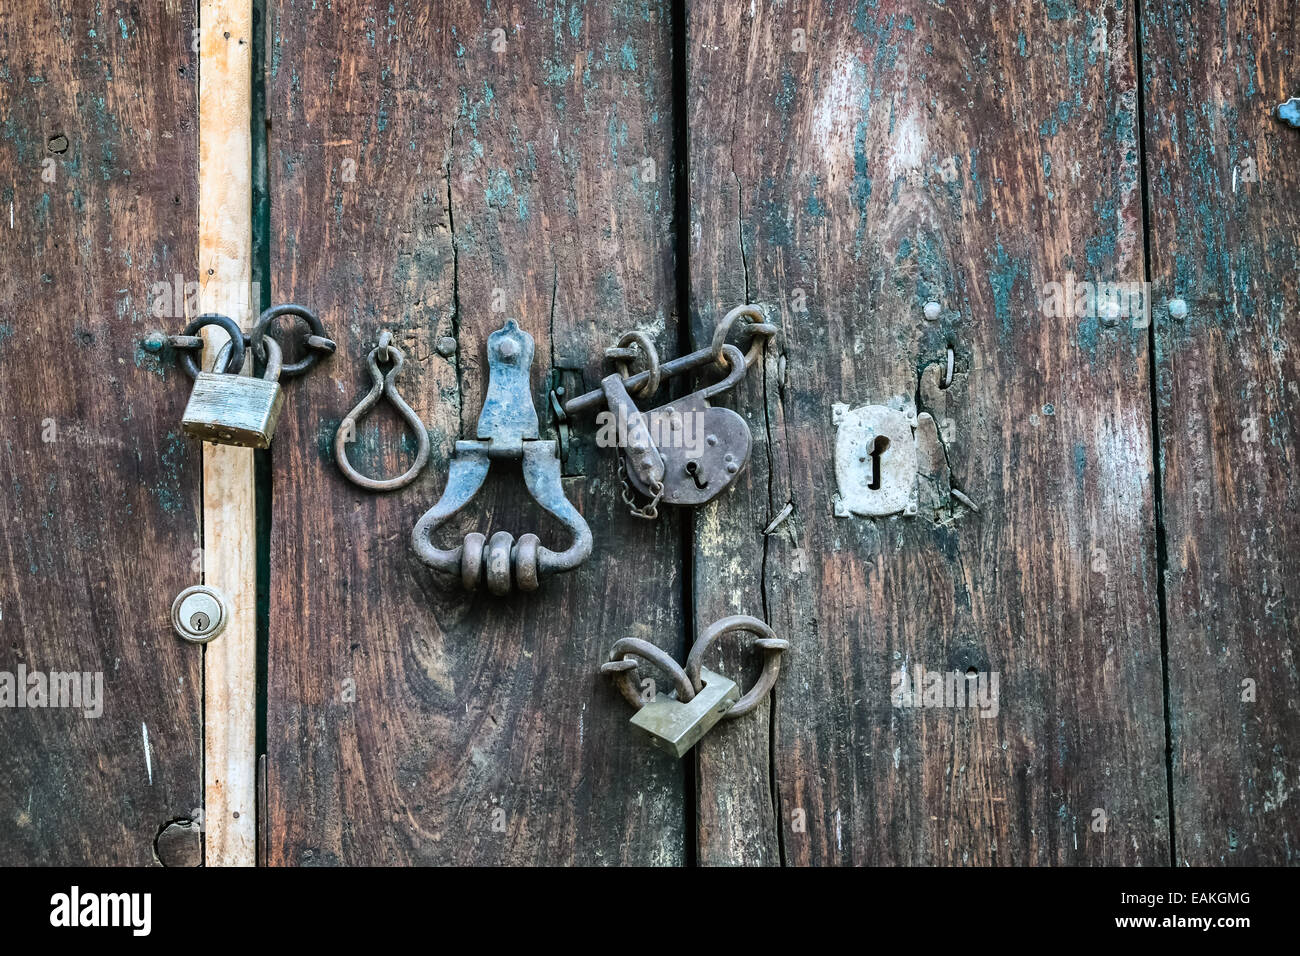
<point x="877" y="453"/>
<point x="693" y="469"/>
<point x="199" y="621"/>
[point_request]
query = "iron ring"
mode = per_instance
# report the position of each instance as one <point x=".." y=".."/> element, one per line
<point x="322" y="345"/>
<point x="231" y="328"/>
<point x="758" y="327"/>
<point x="624" y="677"/>
<point x="382" y="385"/>
<point x="771" y="645"/>
<point x="623" y="354"/>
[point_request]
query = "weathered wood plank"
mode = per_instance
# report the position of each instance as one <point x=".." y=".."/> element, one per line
<point x="847" y="166"/>
<point x="433" y="172"/>
<point x="1224" y="192"/>
<point x="101" y="504"/>
<point x="229" y="495"/>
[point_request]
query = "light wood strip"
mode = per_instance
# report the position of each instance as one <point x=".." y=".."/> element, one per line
<point x="229" y="531"/>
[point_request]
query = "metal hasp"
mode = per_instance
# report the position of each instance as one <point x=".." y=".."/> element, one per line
<point x="507" y="429"/>
<point x="684" y="453"/>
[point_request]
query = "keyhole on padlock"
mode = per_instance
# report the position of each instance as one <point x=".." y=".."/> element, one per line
<point x="199" y="621"/>
<point x="693" y="469"/>
<point x="878" y="448"/>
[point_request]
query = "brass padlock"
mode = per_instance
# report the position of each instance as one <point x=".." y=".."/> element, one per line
<point x="227" y="408"/>
<point x="676" y="727"/>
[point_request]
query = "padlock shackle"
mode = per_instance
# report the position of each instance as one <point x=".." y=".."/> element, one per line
<point x="274" y="360"/>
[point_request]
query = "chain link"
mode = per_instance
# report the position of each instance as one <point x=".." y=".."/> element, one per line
<point x="650" y="511"/>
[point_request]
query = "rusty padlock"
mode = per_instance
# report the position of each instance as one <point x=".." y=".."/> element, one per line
<point x="227" y="408"/>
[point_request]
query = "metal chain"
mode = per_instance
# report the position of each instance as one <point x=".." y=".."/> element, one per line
<point x="650" y="511"/>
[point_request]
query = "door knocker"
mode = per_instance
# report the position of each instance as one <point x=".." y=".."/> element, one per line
<point x="507" y="429"/>
<point x="685" y="452"/>
<point x="676" y="722"/>
<point x="383" y="385"/>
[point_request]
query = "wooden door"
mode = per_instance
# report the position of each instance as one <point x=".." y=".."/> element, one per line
<point x="1105" y="523"/>
<point x="101" y="509"/>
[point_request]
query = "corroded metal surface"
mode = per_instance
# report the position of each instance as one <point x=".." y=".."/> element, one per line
<point x="507" y="429"/>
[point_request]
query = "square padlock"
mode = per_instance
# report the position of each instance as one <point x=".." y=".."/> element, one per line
<point x="233" y="409"/>
<point x="675" y="727"/>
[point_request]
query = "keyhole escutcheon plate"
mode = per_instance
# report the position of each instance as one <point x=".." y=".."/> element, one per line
<point x="875" y="459"/>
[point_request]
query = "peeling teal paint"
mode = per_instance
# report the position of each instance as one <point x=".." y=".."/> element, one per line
<point x="1003" y="277"/>
<point x="171" y="460"/>
<point x="1059" y="10"/>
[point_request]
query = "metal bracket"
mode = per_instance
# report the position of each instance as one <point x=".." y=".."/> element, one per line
<point x="507" y="429"/>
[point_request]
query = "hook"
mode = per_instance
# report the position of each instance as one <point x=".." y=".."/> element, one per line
<point x="383" y="385"/>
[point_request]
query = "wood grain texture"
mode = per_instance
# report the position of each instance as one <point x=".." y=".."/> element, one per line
<point x="229" y="497"/>
<point x="1224" y="193"/>
<point x="433" y="177"/>
<point x="969" y="154"/>
<point x="101" y="504"/>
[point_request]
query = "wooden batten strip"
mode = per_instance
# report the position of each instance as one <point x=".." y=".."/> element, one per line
<point x="229" y="516"/>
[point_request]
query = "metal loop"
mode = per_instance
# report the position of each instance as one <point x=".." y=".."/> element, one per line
<point x="497" y="563"/>
<point x="758" y="329"/>
<point x="231" y="328"/>
<point x="274" y="360"/>
<point x="317" y="342"/>
<point x="524" y="561"/>
<point x="471" y="561"/>
<point x="771" y="645"/>
<point x="623" y="354"/>
<point x="625" y="677"/>
<point x="385" y="385"/>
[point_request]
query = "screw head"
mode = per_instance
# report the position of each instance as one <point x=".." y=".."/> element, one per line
<point x="1178" y="308"/>
<point x="932" y="311"/>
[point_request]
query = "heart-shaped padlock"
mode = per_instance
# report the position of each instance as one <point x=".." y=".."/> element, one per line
<point x="703" y="450"/>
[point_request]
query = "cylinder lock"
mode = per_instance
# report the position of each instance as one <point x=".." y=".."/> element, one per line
<point x="199" y="613"/>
